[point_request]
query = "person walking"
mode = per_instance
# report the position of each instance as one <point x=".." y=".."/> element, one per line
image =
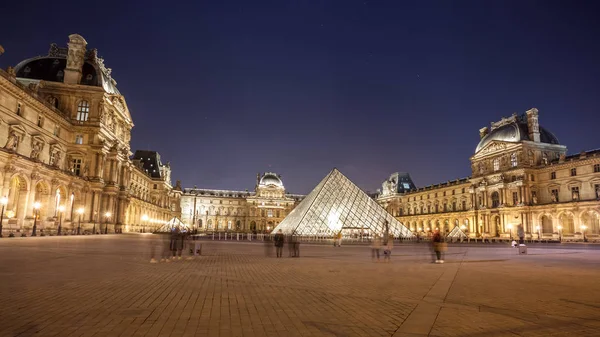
<point x="521" y="234"/>
<point x="339" y="239"/>
<point x="438" y="245"/>
<point x="375" y="247"/>
<point x="279" y="243"/>
<point x="387" y="253"/>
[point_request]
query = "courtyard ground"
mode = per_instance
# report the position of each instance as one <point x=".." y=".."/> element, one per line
<point x="105" y="286"/>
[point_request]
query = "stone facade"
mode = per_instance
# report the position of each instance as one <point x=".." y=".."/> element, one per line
<point x="520" y="175"/>
<point x="65" y="131"/>
<point x="258" y="211"/>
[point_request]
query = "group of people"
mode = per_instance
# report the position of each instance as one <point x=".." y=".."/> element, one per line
<point x="278" y="242"/>
<point x="170" y="246"/>
<point x="387" y="243"/>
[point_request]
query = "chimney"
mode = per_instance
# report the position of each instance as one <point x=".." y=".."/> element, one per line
<point x="533" y="125"/>
<point x="75" y="59"/>
<point x="483" y="132"/>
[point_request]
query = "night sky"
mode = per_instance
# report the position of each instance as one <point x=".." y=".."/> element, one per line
<point x="225" y="89"/>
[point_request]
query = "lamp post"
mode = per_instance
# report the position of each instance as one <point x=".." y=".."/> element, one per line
<point x="106" y="216"/>
<point x="559" y="233"/>
<point x="583" y="228"/>
<point x="80" y="212"/>
<point x="94" y="219"/>
<point x="61" y="210"/>
<point x="539" y="234"/>
<point x="4" y="202"/>
<point x="144" y="219"/>
<point x="36" y="208"/>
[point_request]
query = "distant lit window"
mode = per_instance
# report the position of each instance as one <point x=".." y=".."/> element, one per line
<point x="76" y="166"/>
<point x="270" y="213"/>
<point x="575" y="193"/>
<point x="83" y="111"/>
<point x="496" y="164"/>
<point x="79" y="139"/>
<point x="513" y="160"/>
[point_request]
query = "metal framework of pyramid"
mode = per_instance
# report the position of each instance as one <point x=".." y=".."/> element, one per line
<point x="456" y="232"/>
<point x="337" y="204"/>
<point x="173" y="224"/>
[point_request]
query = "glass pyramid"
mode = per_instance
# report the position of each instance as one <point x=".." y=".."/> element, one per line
<point x="337" y="204"/>
<point x="456" y="232"/>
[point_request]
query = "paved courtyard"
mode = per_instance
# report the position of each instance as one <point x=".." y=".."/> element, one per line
<point x="105" y="286"/>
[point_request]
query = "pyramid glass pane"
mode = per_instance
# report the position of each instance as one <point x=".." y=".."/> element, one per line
<point x="336" y="204"/>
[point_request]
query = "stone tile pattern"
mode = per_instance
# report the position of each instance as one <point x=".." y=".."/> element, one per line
<point x="105" y="286"/>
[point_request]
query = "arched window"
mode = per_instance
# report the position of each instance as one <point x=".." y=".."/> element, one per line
<point x="496" y="164"/>
<point x="83" y="111"/>
<point x="495" y="199"/>
<point x="513" y="160"/>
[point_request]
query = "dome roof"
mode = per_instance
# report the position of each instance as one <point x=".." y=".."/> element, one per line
<point x="271" y="179"/>
<point x="51" y="68"/>
<point x="515" y="132"/>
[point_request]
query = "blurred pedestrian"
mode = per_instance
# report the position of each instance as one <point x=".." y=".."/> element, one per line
<point x="375" y="247"/>
<point x="521" y="234"/>
<point x="268" y="246"/>
<point x="296" y="246"/>
<point x="387" y="253"/>
<point x="439" y="246"/>
<point x="338" y="239"/>
<point x="279" y="243"/>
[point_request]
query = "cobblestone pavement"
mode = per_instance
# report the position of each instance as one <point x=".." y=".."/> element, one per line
<point x="105" y="286"/>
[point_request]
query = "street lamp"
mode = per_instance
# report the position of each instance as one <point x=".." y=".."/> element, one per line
<point x="80" y="212"/>
<point x="94" y="219"/>
<point x="106" y="216"/>
<point x="538" y="230"/>
<point x="144" y="219"/>
<point x="559" y="233"/>
<point x="36" y="208"/>
<point x="61" y="209"/>
<point x="4" y="202"/>
<point x="583" y="228"/>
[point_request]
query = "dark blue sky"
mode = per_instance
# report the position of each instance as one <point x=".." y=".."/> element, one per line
<point x="225" y="89"/>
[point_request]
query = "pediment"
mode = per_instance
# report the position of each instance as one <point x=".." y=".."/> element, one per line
<point x="492" y="147"/>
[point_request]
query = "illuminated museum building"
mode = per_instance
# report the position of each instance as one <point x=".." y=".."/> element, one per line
<point x="245" y="211"/>
<point x="65" y="157"/>
<point x="520" y="175"/>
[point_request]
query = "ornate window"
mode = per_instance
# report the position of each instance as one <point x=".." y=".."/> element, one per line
<point x="596" y="168"/>
<point x="83" y="111"/>
<point x="531" y="158"/>
<point x="515" y="196"/>
<point x="575" y="193"/>
<point x="79" y="139"/>
<point x="552" y="175"/>
<point x="18" y="112"/>
<point x="573" y="171"/>
<point x="496" y="164"/>
<point x="40" y="121"/>
<point x="495" y="199"/>
<point x="554" y="195"/>
<point x="513" y="160"/>
<point x="76" y="166"/>
<point x="270" y="213"/>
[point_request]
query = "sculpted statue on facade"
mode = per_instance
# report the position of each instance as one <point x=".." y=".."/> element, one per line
<point x="56" y="159"/>
<point x="553" y="197"/>
<point x="12" y="142"/>
<point x="597" y="191"/>
<point x="11" y="72"/>
<point x="36" y="149"/>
